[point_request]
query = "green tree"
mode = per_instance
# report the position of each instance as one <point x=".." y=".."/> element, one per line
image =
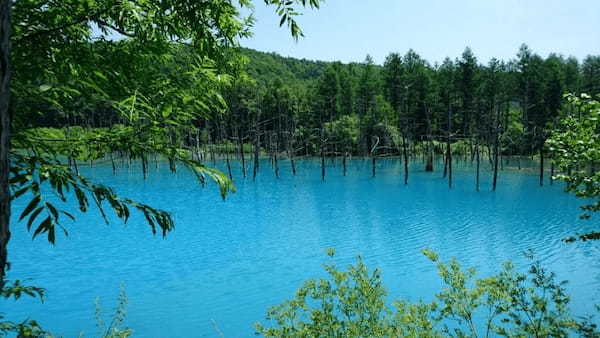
<point x="164" y="72"/>
<point x="467" y="78"/>
<point x="393" y="79"/>
<point x="572" y="75"/>
<point x="368" y="87"/>
<point x="590" y="70"/>
<point x="575" y="146"/>
<point x="329" y="94"/>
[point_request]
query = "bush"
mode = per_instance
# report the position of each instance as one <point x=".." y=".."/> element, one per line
<point x="352" y="303"/>
<point x="32" y="329"/>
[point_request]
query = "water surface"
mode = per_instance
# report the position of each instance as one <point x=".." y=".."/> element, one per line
<point x="228" y="261"/>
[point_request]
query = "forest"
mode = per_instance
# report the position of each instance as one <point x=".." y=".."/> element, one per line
<point x="285" y="107"/>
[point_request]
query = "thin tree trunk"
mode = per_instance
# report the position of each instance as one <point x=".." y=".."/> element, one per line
<point x="322" y="156"/>
<point x="256" y="151"/>
<point x="197" y="144"/>
<point x="344" y="163"/>
<point x="478" y="165"/>
<point x="542" y="164"/>
<point x="429" y="142"/>
<point x="275" y="162"/>
<point x="552" y="173"/>
<point x="242" y="156"/>
<point x="445" y="165"/>
<point x="496" y="151"/>
<point x="429" y="165"/>
<point x="290" y="146"/>
<point x="373" y="166"/>
<point x="449" y="165"/>
<point x="405" y="159"/>
<point x="228" y="166"/>
<point x="322" y="164"/>
<point x="5" y="76"/>
<point x="374" y="157"/>
<point x="112" y="161"/>
<point x="449" y="148"/>
<point x="495" y="179"/>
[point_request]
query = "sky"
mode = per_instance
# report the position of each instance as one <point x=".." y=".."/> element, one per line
<point x="348" y="30"/>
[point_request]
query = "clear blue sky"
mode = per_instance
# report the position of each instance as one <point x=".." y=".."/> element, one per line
<point x="348" y="30"/>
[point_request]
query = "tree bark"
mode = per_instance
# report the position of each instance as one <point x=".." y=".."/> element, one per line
<point x="445" y="165"/>
<point x="256" y="151"/>
<point x="344" y="163"/>
<point x="405" y="159"/>
<point x="373" y="166"/>
<point x="322" y="155"/>
<point x="5" y="76"/>
<point x="228" y="165"/>
<point x="542" y="164"/>
<point x="496" y="151"/>
<point x="241" y="150"/>
<point x="478" y="164"/>
<point x="449" y="148"/>
<point x="429" y="164"/>
<point x="275" y="163"/>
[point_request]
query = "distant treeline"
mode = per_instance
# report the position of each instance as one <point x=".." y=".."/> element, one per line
<point x="291" y="107"/>
<point x="352" y="107"/>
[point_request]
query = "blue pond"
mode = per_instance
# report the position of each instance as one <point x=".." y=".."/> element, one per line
<point x="228" y="261"/>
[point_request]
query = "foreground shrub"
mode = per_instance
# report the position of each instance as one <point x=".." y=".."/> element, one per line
<point x="352" y="303"/>
<point x="32" y="329"/>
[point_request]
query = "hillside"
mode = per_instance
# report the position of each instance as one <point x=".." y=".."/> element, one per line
<point x="265" y="67"/>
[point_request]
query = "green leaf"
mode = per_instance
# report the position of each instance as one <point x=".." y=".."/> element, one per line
<point x="32" y="204"/>
<point x="45" y="226"/>
<point x="33" y="217"/>
<point x="45" y="87"/>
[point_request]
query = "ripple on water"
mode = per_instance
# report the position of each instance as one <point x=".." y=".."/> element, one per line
<point x="228" y="261"/>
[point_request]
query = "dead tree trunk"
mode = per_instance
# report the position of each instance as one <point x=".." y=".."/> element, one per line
<point x="322" y="155"/>
<point x="449" y="165"/>
<point x="241" y="150"/>
<point x="429" y="142"/>
<point x="429" y="165"/>
<point x="291" y="151"/>
<point x="373" y="166"/>
<point x="541" y="164"/>
<point x="405" y="153"/>
<point x="344" y="162"/>
<point x="449" y="148"/>
<point x="496" y="150"/>
<point x="5" y="75"/>
<point x="478" y="165"/>
<point x="374" y="157"/>
<point x="228" y="165"/>
<point x="445" y="165"/>
<point x="275" y="160"/>
<point x="112" y="162"/>
<point x="256" y="150"/>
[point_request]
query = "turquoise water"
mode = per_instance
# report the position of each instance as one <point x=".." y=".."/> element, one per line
<point x="227" y="261"/>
